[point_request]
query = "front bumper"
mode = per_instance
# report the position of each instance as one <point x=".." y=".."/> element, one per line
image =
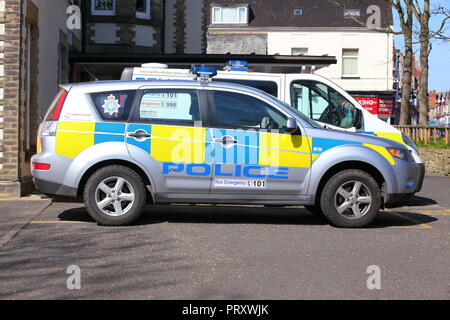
<point x="422" y="176"/>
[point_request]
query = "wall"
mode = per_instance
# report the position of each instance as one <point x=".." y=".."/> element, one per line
<point x="52" y="18"/>
<point x="437" y="161"/>
<point x="10" y="17"/>
<point x="124" y="32"/>
<point x="234" y="43"/>
<point x="185" y="25"/>
<point x="375" y="55"/>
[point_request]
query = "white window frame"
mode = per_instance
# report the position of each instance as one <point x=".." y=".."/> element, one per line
<point x="304" y="48"/>
<point x="95" y="12"/>
<point x="237" y="8"/>
<point x="147" y="13"/>
<point x="350" y="57"/>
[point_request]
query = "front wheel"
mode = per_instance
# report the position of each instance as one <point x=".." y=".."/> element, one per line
<point x="351" y="199"/>
<point x="114" y="196"/>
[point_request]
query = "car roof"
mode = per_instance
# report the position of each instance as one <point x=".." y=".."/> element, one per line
<point x="97" y="86"/>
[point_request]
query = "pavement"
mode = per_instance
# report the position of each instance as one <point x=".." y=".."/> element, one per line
<point x="226" y="252"/>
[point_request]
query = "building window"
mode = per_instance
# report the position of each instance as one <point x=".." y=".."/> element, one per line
<point x="352" y="13"/>
<point x="350" y="62"/>
<point x="103" y="7"/>
<point x="230" y="15"/>
<point x="143" y="9"/>
<point x="299" y="51"/>
<point x="298" y="12"/>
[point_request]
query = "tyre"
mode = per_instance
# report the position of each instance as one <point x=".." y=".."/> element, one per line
<point x="114" y="196"/>
<point x="351" y="199"/>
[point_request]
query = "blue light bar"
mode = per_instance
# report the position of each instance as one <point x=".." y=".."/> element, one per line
<point x="236" y="65"/>
<point x="204" y="72"/>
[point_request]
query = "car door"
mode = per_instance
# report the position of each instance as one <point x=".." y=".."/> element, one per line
<point x="252" y="154"/>
<point x="165" y="134"/>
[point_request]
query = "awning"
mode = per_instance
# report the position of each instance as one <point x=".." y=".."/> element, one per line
<point x="115" y="63"/>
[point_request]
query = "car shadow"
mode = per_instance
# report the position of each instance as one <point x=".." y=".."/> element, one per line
<point x="208" y="214"/>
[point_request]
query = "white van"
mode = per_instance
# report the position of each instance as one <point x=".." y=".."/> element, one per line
<point x="313" y="95"/>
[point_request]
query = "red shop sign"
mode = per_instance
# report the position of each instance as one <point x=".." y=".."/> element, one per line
<point x="386" y="106"/>
<point x="369" y="103"/>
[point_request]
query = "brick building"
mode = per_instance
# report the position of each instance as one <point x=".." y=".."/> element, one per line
<point x="34" y="52"/>
<point x="122" y="31"/>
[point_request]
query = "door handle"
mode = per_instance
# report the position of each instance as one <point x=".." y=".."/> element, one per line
<point x="140" y="134"/>
<point x="226" y="140"/>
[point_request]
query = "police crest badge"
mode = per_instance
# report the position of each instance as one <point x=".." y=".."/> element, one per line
<point x="111" y="105"/>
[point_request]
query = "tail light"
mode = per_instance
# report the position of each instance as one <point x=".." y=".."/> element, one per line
<point x="57" y="111"/>
<point x="49" y="126"/>
<point x="41" y="166"/>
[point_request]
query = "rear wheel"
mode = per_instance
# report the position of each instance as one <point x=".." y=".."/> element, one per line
<point x="351" y="199"/>
<point x="115" y="196"/>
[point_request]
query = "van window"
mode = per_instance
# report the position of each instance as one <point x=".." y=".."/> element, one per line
<point x="269" y="87"/>
<point x="169" y="106"/>
<point x="113" y="105"/>
<point x="322" y="103"/>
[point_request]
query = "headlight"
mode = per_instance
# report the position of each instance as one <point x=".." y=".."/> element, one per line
<point x="409" y="142"/>
<point x="403" y="154"/>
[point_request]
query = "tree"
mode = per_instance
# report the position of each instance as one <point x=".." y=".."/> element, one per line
<point x="423" y="17"/>
<point x="405" y="13"/>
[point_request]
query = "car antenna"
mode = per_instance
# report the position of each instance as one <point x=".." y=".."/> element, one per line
<point x="90" y="74"/>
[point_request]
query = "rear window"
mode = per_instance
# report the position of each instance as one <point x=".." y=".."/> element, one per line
<point x="113" y="105"/>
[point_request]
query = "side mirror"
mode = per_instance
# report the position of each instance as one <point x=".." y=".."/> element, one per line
<point x="291" y="126"/>
<point x="357" y="119"/>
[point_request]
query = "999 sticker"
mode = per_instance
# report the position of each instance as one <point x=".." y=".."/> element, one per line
<point x="234" y="183"/>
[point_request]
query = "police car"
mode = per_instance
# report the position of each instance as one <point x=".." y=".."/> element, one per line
<point x="315" y="96"/>
<point x="122" y="144"/>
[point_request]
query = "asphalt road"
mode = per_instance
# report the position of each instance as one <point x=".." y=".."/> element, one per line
<point x="228" y="252"/>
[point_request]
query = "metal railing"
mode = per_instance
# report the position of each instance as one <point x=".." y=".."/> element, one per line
<point x="426" y="134"/>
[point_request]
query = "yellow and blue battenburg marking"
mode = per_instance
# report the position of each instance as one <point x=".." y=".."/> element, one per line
<point x="178" y="144"/>
<point x="74" y="137"/>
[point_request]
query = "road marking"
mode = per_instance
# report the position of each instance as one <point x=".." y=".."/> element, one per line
<point x="50" y="222"/>
<point x="420" y="224"/>
<point x="443" y="212"/>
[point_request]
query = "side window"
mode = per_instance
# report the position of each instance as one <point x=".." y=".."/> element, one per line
<point x="322" y="103"/>
<point x="243" y="111"/>
<point x="269" y="87"/>
<point x="113" y="105"/>
<point x="171" y="106"/>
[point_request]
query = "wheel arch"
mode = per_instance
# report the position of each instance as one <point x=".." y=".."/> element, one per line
<point x="355" y="165"/>
<point x="91" y="170"/>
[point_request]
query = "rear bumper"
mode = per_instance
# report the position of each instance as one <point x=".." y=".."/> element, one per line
<point x="54" y="189"/>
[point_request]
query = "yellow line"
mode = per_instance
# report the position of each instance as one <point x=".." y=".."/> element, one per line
<point x="429" y="207"/>
<point x="442" y="212"/>
<point x="420" y="225"/>
<point x="49" y="222"/>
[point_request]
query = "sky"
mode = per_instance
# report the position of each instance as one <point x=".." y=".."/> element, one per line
<point x="439" y="77"/>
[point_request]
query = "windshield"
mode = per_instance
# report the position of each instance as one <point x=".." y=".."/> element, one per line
<point x="301" y="115"/>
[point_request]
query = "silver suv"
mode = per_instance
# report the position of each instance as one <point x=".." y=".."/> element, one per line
<point x="121" y="144"/>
